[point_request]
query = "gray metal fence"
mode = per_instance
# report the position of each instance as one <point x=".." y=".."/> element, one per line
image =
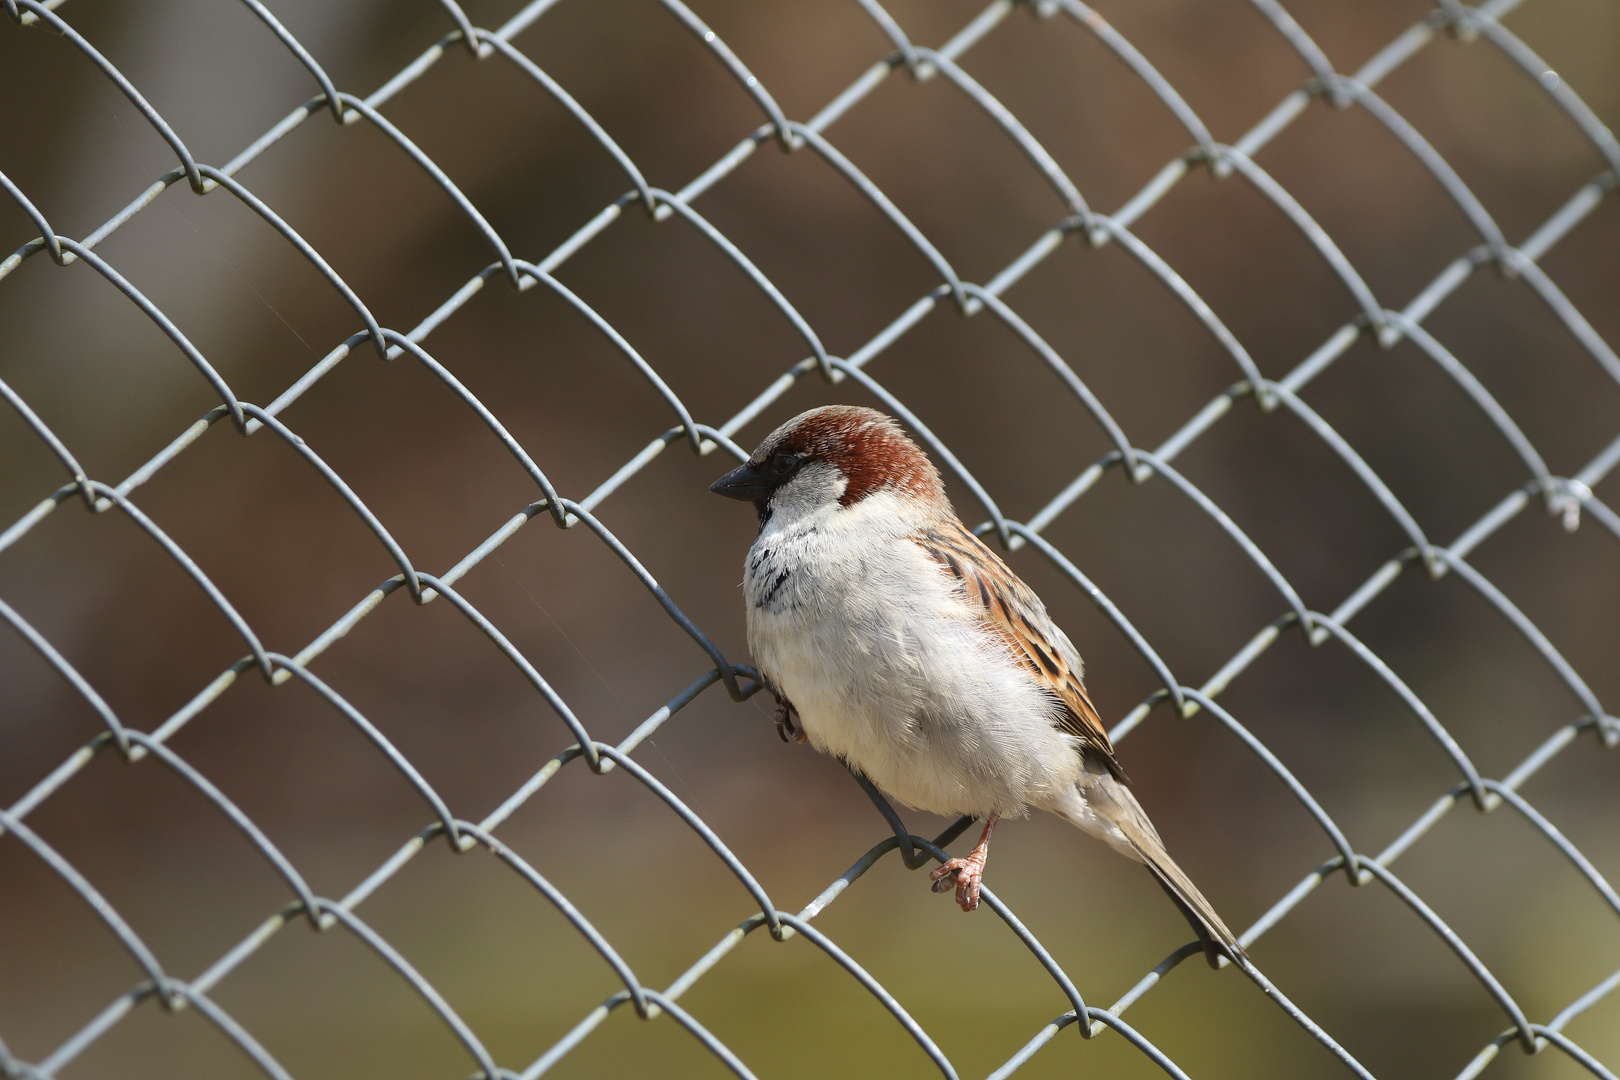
<point x="1587" y="728"/>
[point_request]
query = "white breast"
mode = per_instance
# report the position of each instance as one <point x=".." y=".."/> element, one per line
<point x="889" y="668"/>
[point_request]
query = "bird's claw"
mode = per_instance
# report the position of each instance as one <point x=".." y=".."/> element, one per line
<point x="787" y="722"/>
<point x="965" y="875"/>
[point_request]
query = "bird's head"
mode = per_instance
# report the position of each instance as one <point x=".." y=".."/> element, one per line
<point x="834" y="456"/>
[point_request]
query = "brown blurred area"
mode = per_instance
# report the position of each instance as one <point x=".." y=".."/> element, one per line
<point x="293" y="558"/>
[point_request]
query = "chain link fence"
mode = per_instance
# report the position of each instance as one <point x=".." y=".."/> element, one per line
<point x="1489" y="767"/>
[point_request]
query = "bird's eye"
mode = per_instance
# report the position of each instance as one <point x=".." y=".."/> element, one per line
<point x="782" y="464"/>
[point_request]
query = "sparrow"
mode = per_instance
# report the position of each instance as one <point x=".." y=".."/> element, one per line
<point x="896" y="640"/>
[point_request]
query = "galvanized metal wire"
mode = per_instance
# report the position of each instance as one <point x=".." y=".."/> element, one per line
<point x="1590" y="726"/>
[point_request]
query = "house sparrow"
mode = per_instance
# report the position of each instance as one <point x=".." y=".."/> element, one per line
<point x="896" y="640"/>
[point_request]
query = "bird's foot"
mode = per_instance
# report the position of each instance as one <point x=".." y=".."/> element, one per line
<point x="787" y="722"/>
<point x="965" y="875"/>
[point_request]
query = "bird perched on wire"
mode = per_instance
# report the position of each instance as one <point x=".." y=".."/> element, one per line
<point x="896" y="640"/>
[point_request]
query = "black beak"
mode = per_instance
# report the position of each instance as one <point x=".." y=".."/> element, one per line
<point x="741" y="483"/>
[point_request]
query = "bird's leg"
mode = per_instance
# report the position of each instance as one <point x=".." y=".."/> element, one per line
<point x="967" y="873"/>
<point x="787" y="721"/>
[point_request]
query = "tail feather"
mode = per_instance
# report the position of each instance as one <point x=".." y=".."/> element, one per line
<point x="1198" y="912"/>
<point x="1109" y="811"/>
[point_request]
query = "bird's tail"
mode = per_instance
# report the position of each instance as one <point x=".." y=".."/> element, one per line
<point x="1111" y="813"/>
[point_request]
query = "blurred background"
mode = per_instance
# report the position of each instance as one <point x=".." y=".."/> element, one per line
<point x="293" y="557"/>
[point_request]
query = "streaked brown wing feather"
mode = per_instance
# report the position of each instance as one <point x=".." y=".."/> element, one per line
<point x="1018" y="617"/>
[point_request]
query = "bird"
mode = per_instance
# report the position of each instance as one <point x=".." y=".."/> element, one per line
<point x="896" y="640"/>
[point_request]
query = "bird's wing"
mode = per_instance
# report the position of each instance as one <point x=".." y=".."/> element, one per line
<point x="1013" y="611"/>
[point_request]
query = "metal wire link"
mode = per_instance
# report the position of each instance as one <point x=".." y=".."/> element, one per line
<point x="1280" y="400"/>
